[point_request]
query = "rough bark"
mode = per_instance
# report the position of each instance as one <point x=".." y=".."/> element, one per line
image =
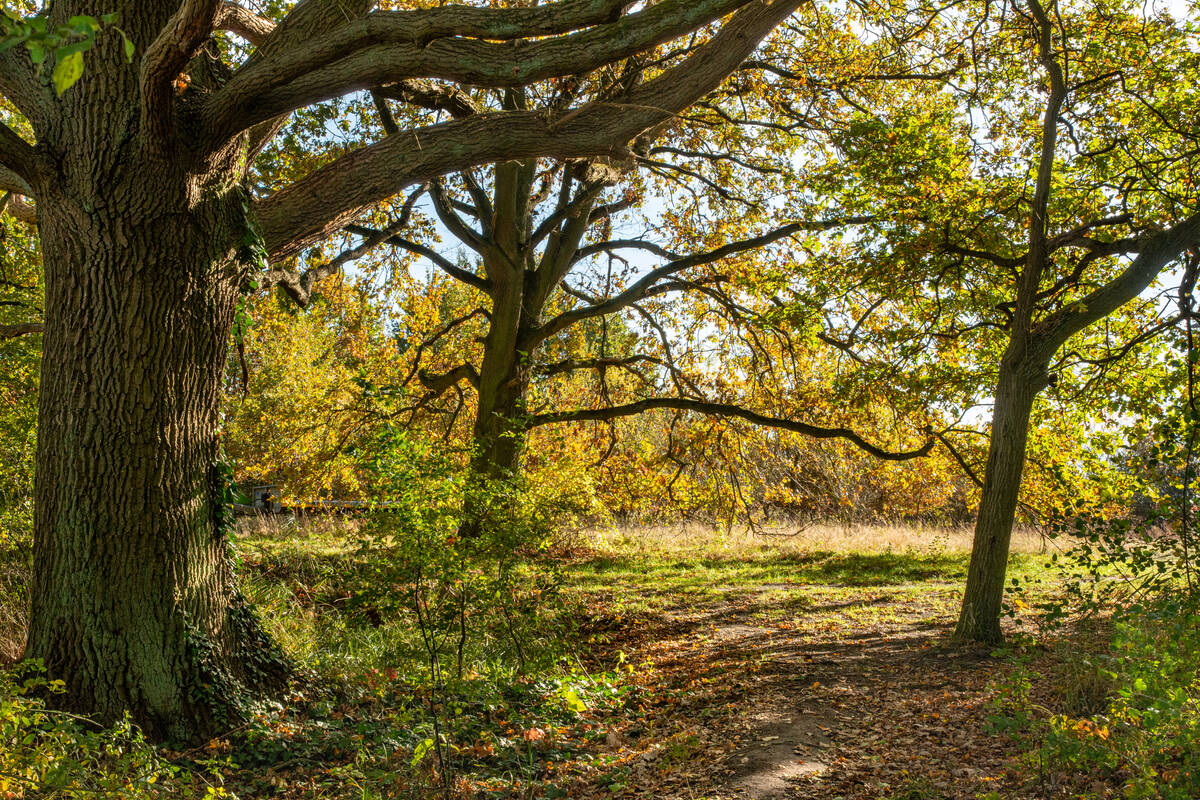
<point x="499" y="431"/>
<point x="1022" y="375"/>
<point x="133" y="601"/>
<point x="134" y="605"/>
<point x="1016" y="389"/>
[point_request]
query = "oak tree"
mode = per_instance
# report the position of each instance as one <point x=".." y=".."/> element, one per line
<point x="150" y="236"/>
<point x="553" y="258"/>
<point x="1030" y="168"/>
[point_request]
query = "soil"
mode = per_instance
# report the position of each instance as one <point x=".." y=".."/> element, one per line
<point x="810" y="706"/>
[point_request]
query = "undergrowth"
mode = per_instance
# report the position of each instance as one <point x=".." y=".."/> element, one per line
<point x="1108" y="703"/>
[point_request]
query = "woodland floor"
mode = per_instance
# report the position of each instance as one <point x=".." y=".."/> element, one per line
<point x="710" y="668"/>
<point x="796" y="689"/>
<point x="859" y="700"/>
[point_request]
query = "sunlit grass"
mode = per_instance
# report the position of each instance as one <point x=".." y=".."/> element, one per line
<point x="772" y="541"/>
<point x="851" y="574"/>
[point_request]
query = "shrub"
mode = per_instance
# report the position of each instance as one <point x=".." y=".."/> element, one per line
<point x="52" y="754"/>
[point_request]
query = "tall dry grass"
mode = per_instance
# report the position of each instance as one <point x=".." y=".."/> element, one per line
<point x="783" y="540"/>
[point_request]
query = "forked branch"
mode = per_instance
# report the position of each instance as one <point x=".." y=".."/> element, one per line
<point x="331" y="197"/>
<point x="167" y="56"/>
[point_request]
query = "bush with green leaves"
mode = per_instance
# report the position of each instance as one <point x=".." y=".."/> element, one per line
<point x="1144" y="734"/>
<point x="1128" y="707"/>
<point x="453" y="554"/>
<point x="51" y="754"/>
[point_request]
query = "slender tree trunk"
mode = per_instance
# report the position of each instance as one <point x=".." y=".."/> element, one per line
<point x="1016" y="389"/>
<point x="133" y="603"/>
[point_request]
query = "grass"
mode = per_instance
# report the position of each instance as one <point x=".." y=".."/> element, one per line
<point x="644" y="569"/>
<point x="775" y="540"/>
<point x="376" y="725"/>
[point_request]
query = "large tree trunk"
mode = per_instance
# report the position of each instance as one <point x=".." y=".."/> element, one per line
<point x="499" y="433"/>
<point x="1016" y="389"/>
<point x="498" y="437"/>
<point x="133" y="602"/>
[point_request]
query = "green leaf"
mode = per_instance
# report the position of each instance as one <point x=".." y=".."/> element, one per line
<point x="421" y="750"/>
<point x="572" y="699"/>
<point x="129" y="48"/>
<point x="67" y="71"/>
<point x="73" y="47"/>
<point x="83" y="24"/>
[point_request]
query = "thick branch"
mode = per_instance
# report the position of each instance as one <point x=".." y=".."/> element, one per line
<point x="307" y="20"/>
<point x="1080" y="233"/>
<point x="18" y="157"/>
<point x="389" y="46"/>
<point x="1156" y="253"/>
<point x="299" y="287"/>
<point x="432" y="96"/>
<point x="167" y="56"/>
<point x="442" y="382"/>
<point x="19" y="83"/>
<point x="571" y="208"/>
<point x="12" y="182"/>
<point x="984" y="255"/>
<point x="730" y="411"/>
<point x="1039" y="246"/>
<point x="453" y="222"/>
<point x="332" y="196"/>
<point x="19" y="329"/>
<point x="244" y="23"/>
<point x="19" y="207"/>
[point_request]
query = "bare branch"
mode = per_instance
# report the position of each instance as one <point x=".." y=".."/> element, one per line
<point x="624" y="244"/>
<point x="647" y="283"/>
<point x="960" y="459"/>
<point x="438" y="260"/>
<point x="307" y="20"/>
<point x="579" y="364"/>
<point x="386" y="118"/>
<point x="730" y="411"/>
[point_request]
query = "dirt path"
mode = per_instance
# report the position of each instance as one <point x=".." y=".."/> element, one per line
<point x="853" y="696"/>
